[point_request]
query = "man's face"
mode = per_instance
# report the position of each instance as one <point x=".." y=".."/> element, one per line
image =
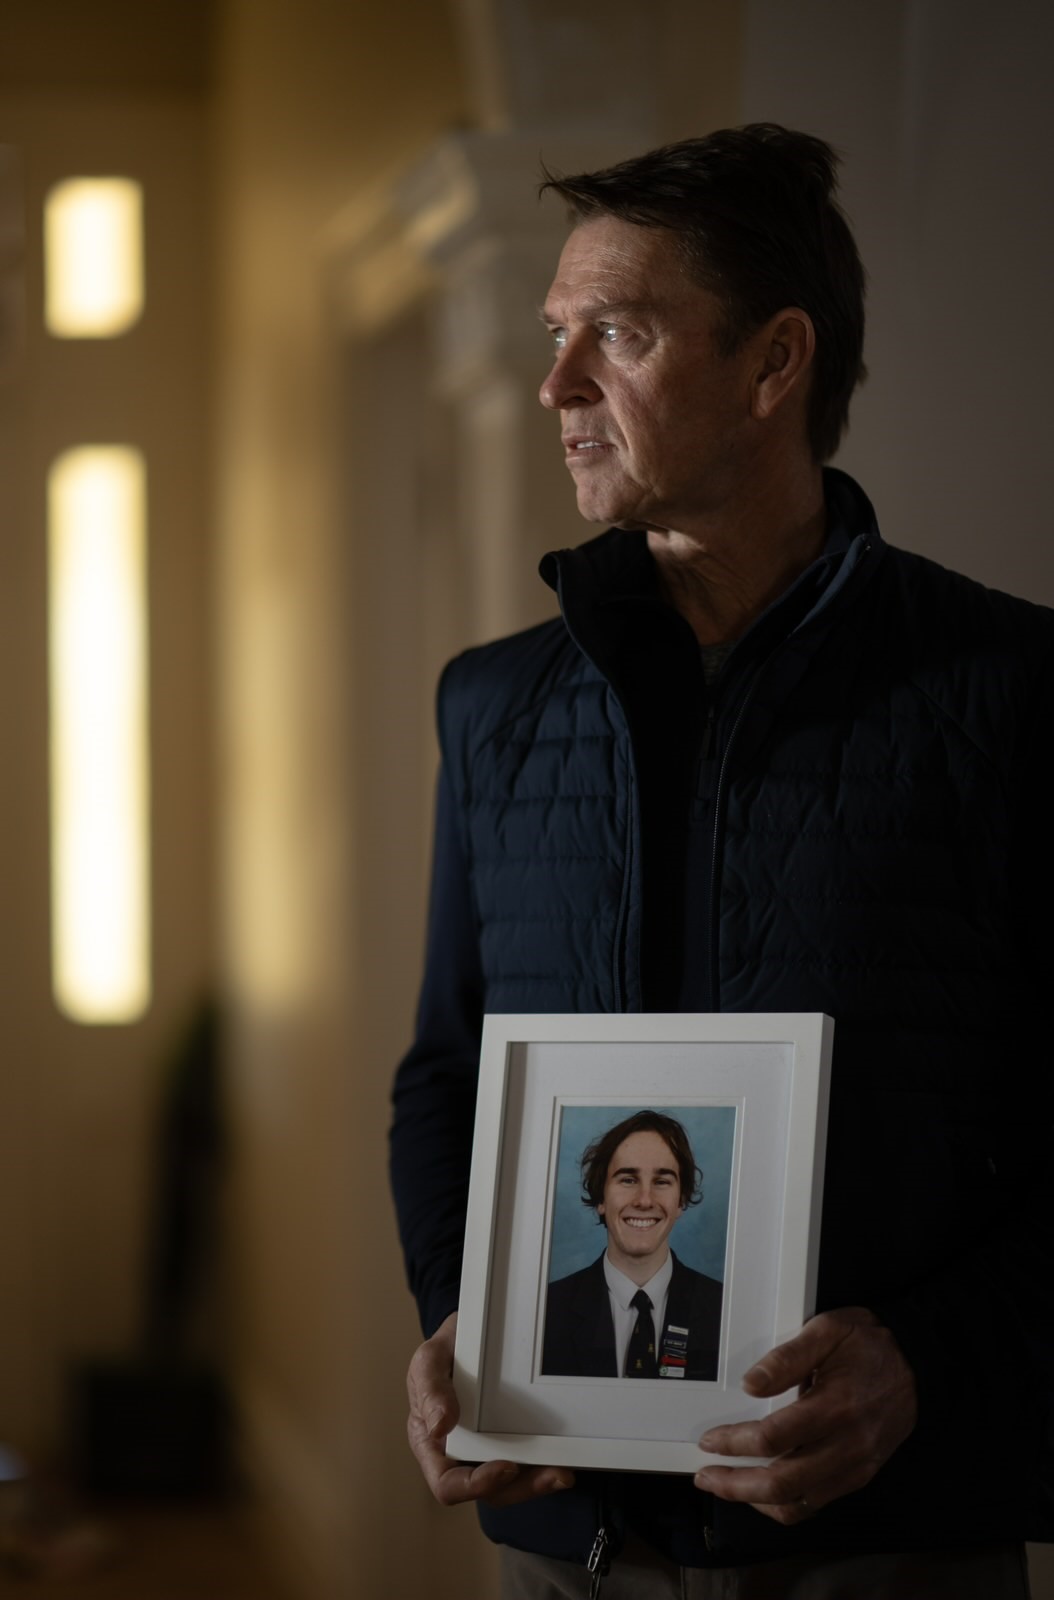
<point x="642" y="1201"/>
<point x="654" y="420"/>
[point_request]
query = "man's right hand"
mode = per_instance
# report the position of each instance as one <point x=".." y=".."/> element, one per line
<point x="434" y="1411"/>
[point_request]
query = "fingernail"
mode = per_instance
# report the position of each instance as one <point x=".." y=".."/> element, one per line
<point x="561" y="1482"/>
<point x="706" y="1442"/>
<point x="702" y="1480"/>
<point x="507" y="1473"/>
<point x="434" y="1419"/>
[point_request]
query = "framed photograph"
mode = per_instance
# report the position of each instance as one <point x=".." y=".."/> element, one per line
<point x="643" y="1225"/>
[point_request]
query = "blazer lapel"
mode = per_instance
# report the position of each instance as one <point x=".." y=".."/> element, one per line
<point x="592" y="1330"/>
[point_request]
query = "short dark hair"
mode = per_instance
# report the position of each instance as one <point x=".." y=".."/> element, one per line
<point x="596" y="1158"/>
<point x="755" y="214"/>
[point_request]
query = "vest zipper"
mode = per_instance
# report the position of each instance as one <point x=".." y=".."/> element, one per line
<point x="707" y="749"/>
<point x="621" y="972"/>
<point x="713" y="987"/>
<point x="599" y="1563"/>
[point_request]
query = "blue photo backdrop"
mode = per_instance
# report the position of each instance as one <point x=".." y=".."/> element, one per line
<point x="699" y="1237"/>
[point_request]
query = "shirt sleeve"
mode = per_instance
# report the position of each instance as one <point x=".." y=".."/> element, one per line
<point x="434" y="1096"/>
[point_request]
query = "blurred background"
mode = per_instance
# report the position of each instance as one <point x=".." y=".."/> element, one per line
<point x="269" y="454"/>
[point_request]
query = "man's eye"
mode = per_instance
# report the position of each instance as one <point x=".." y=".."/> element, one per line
<point x="609" y="333"/>
<point x="559" y="337"/>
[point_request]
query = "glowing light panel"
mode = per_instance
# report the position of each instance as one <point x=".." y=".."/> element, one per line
<point x="100" y="894"/>
<point x="93" y="252"/>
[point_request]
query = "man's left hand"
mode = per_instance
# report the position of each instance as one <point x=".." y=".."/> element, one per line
<point x="857" y="1404"/>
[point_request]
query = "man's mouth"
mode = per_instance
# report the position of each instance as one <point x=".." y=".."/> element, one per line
<point x="576" y="444"/>
<point x="641" y="1222"/>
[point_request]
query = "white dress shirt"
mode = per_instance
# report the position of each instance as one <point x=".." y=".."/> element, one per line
<point x="624" y="1315"/>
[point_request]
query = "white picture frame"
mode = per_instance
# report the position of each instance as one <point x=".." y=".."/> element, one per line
<point x="767" y="1075"/>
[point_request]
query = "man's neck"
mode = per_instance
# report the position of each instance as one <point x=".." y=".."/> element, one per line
<point x="722" y="575"/>
<point x="640" y="1270"/>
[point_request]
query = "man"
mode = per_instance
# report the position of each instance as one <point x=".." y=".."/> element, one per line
<point x="763" y="762"/>
<point x="636" y="1312"/>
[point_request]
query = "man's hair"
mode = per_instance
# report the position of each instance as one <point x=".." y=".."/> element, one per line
<point x="596" y="1159"/>
<point x="754" y="212"/>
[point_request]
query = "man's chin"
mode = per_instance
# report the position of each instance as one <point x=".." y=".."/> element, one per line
<point x="626" y="524"/>
<point x="606" y="516"/>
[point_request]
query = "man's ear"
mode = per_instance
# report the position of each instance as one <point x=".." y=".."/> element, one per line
<point x="785" y="346"/>
<point x="600" y="1209"/>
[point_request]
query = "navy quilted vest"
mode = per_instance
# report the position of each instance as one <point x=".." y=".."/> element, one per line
<point x="879" y="850"/>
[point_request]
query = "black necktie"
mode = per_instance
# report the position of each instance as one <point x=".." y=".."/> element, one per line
<point x="640" y="1357"/>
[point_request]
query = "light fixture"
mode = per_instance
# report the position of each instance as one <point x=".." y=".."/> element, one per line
<point x="99" y="734"/>
<point x="93" y="254"/>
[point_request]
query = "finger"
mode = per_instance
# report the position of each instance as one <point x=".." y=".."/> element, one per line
<point x="793" y="1488"/>
<point x="792" y="1427"/>
<point x="450" y="1481"/>
<point x="787" y="1516"/>
<point x="430" y="1389"/>
<point x="771" y="1502"/>
<point x="821" y="1411"/>
<point x="436" y="1407"/>
<point x="499" y="1483"/>
<point x="532" y="1483"/>
<point x="776" y="1485"/>
<point x="812" y="1500"/>
<point x="434" y="1411"/>
<point x="456" y="1483"/>
<point x="796" y="1360"/>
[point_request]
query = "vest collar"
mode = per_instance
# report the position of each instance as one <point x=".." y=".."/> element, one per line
<point x="610" y="600"/>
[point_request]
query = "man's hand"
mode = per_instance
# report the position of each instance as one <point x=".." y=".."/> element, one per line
<point x="434" y="1411"/>
<point x="857" y="1404"/>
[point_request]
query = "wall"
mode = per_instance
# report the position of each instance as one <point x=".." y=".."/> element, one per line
<point x="317" y="102"/>
<point x="943" y="120"/>
<point x="941" y="109"/>
<point x="80" y="1103"/>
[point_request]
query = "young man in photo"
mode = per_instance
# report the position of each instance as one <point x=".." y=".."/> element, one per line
<point x="637" y="1311"/>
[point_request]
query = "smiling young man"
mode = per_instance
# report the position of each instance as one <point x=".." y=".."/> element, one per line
<point x="636" y="1312"/>
<point x="762" y="761"/>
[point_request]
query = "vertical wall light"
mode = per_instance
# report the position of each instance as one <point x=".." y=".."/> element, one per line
<point x="99" y="734"/>
<point x="93" y="238"/>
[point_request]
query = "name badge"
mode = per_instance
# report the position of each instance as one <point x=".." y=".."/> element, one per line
<point x="673" y="1361"/>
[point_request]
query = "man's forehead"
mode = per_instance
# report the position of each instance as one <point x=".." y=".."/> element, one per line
<point x="588" y="307"/>
<point x="645" y="1148"/>
<point x="608" y="264"/>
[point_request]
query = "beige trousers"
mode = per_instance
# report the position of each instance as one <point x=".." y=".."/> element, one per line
<point x="988" y="1572"/>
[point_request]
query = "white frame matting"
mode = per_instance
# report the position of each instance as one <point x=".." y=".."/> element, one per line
<point x="774" y="1070"/>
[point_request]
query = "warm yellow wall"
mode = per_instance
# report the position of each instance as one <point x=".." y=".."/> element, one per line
<point x="309" y="107"/>
<point x="322" y="789"/>
<point x="78" y="1103"/>
<point x="317" y="101"/>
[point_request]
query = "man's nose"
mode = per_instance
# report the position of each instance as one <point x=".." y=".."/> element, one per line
<point x="569" y="382"/>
